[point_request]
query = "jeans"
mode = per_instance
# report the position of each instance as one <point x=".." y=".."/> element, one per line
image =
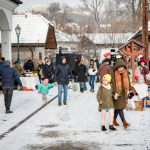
<point x="120" y="112"/>
<point x="82" y="84"/>
<point x="91" y="80"/>
<point x="60" y="87"/>
<point x="8" y="93"/>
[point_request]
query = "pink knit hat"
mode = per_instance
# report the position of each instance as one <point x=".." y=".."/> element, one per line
<point x="45" y="82"/>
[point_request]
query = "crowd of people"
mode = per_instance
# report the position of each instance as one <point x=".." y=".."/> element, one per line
<point x="113" y="76"/>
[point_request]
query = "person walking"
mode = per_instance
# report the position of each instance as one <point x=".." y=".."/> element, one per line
<point x="8" y="74"/>
<point x="77" y="61"/>
<point x="97" y="64"/>
<point x="43" y="89"/>
<point x="87" y="63"/>
<point x="2" y="63"/>
<point x="48" y="71"/>
<point x="18" y="67"/>
<point x="29" y="66"/>
<point x="81" y="70"/>
<point x="121" y="86"/>
<point x="39" y="69"/>
<point x="92" y="73"/>
<point x="104" y="98"/>
<point x="104" y="69"/>
<point x="62" y="72"/>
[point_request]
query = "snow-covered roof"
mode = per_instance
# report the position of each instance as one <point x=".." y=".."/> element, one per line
<point x="109" y="38"/>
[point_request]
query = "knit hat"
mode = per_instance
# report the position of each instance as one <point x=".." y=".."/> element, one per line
<point x="107" y="77"/>
<point x="142" y="60"/>
<point x="91" y="60"/>
<point x="40" y="61"/>
<point x="18" y="60"/>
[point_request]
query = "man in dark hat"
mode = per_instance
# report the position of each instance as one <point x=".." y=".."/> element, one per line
<point x="29" y="66"/>
<point x="46" y="58"/>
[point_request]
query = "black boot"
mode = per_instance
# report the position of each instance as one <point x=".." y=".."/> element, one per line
<point x="111" y="127"/>
<point x="81" y="90"/>
<point x="8" y="111"/>
<point x="103" y="128"/>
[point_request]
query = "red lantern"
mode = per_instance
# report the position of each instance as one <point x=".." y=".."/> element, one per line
<point x="109" y="53"/>
<point x="105" y="55"/>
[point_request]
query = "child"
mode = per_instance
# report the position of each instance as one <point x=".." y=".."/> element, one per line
<point x="104" y="97"/>
<point x="43" y="90"/>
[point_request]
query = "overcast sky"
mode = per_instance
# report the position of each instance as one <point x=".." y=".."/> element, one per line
<point x="28" y="3"/>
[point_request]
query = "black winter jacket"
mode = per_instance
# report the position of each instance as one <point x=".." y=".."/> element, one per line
<point x="81" y="70"/>
<point x="29" y="66"/>
<point x="63" y="71"/>
<point x="39" y="68"/>
<point x="8" y="74"/>
<point x="48" y="70"/>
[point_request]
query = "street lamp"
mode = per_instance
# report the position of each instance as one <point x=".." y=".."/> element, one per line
<point x="18" y="30"/>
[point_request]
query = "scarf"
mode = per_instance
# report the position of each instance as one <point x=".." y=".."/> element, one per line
<point x="125" y="81"/>
<point x="108" y="87"/>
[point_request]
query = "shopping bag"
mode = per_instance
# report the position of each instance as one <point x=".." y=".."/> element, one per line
<point x="41" y="73"/>
<point x="74" y="87"/>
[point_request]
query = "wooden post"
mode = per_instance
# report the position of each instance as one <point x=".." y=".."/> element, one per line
<point x="132" y="61"/>
<point x="145" y="29"/>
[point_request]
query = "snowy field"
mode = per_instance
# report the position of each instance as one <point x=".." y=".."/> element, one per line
<point x="72" y="127"/>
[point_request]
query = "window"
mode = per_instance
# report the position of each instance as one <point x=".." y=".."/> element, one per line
<point x="40" y="56"/>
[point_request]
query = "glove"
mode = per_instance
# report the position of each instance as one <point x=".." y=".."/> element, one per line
<point x="38" y="92"/>
<point x="93" y="70"/>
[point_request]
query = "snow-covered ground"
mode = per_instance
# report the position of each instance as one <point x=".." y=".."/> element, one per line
<point x="72" y="127"/>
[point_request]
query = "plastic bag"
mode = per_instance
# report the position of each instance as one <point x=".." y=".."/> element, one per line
<point x="131" y="104"/>
<point x="41" y="72"/>
<point x="74" y="87"/>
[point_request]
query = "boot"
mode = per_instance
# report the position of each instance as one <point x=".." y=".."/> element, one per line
<point x="59" y="103"/>
<point x="115" y="122"/>
<point x="8" y="111"/>
<point x="103" y="128"/>
<point x="125" y="124"/>
<point x="85" y="88"/>
<point x="112" y="128"/>
<point x="43" y="102"/>
<point x="91" y="89"/>
<point x="81" y="90"/>
<point x="65" y="103"/>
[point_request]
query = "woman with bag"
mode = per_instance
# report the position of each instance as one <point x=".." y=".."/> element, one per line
<point x="92" y="73"/>
<point x="39" y="69"/>
<point x="81" y="70"/>
<point x="121" y="86"/>
<point x="48" y="71"/>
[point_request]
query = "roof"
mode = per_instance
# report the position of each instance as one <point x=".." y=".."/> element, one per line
<point x="34" y="29"/>
<point x="109" y="38"/>
<point x="16" y="1"/>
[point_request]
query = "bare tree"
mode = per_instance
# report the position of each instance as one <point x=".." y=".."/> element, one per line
<point x="94" y="7"/>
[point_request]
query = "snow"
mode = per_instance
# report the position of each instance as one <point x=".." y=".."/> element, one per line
<point x="71" y="127"/>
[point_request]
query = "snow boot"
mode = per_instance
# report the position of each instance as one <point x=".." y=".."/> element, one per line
<point x="91" y="89"/>
<point x="43" y="102"/>
<point x="8" y="111"/>
<point x="112" y="128"/>
<point x="65" y="103"/>
<point x="81" y="90"/>
<point x="115" y="122"/>
<point x="59" y="103"/>
<point x="85" y="88"/>
<point x="125" y="124"/>
<point x="103" y="128"/>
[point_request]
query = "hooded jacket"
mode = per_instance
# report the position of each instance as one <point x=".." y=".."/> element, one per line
<point x="62" y="72"/>
<point x="8" y="74"/>
<point x="18" y="68"/>
<point x="81" y="70"/>
<point x="29" y="66"/>
<point x="121" y="102"/>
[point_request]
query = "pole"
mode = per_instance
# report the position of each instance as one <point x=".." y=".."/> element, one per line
<point x="18" y="46"/>
<point x="145" y="30"/>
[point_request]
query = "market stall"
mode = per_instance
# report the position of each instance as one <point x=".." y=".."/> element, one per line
<point x="30" y="81"/>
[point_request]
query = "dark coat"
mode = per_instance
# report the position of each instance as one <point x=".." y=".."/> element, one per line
<point x="76" y="65"/>
<point x="2" y="64"/>
<point x="18" y="68"/>
<point x="8" y="74"/>
<point x="121" y="102"/>
<point x="48" y="71"/>
<point x="97" y="63"/>
<point x="39" y="68"/>
<point x="62" y="72"/>
<point x="29" y="66"/>
<point x="81" y="70"/>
